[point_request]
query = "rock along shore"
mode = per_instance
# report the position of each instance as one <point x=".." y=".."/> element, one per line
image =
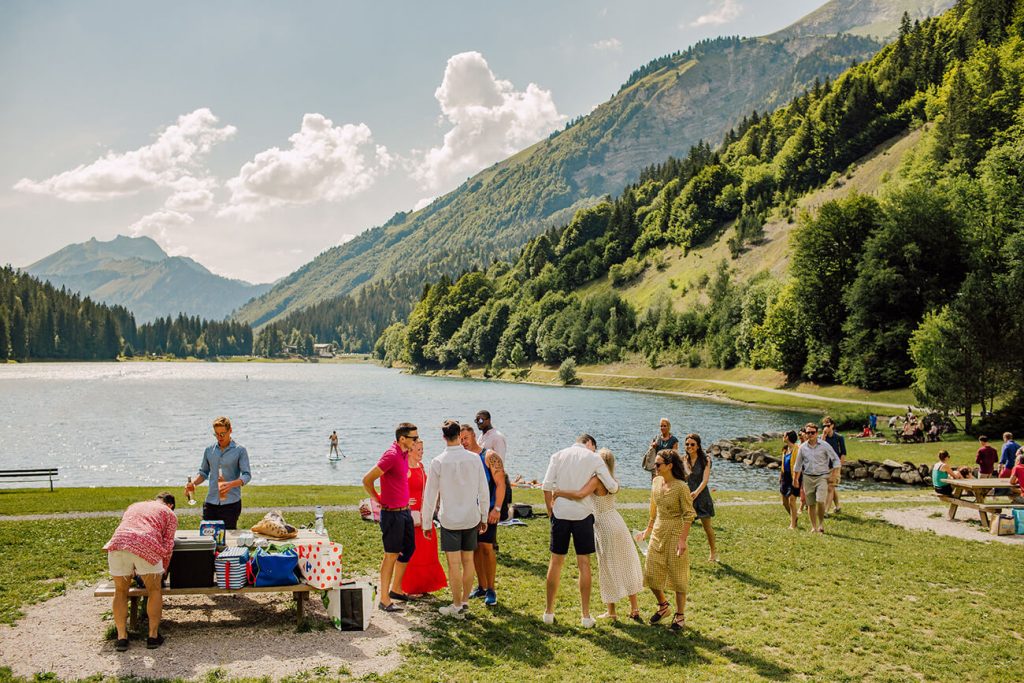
<point x="753" y="451"/>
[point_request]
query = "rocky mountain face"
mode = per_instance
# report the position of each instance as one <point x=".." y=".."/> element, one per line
<point x="136" y="273"/>
<point x="665" y="108"/>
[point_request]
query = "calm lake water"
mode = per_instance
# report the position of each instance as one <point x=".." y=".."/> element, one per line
<point x="148" y="423"/>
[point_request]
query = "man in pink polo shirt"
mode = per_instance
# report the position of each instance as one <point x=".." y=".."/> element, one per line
<point x="396" y="526"/>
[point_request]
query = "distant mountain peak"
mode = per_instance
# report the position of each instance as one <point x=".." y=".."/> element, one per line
<point x="878" y="18"/>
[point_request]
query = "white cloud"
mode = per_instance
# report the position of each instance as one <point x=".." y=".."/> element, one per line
<point x="609" y="44"/>
<point x="171" y="161"/>
<point x="157" y="224"/>
<point x="726" y="11"/>
<point x="423" y="203"/>
<point x="324" y="163"/>
<point x="490" y="120"/>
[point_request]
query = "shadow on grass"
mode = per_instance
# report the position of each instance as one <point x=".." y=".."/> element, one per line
<point x="539" y="569"/>
<point x="640" y="644"/>
<point x="744" y="577"/>
<point x="482" y="641"/>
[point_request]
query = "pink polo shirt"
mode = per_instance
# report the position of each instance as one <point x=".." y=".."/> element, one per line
<point x="146" y="530"/>
<point x="394" y="483"/>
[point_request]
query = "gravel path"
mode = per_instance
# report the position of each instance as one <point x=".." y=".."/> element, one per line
<point x="250" y="635"/>
<point x="193" y="511"/>
<point x="924" y="519"/>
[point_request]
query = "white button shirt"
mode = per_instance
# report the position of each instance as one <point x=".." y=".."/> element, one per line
<point x="493" y="440"/>
<point x="569" y="470"/>
<point x="456" y="479"/>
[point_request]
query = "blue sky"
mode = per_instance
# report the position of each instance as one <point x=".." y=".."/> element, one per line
<point x="253" y="135"/>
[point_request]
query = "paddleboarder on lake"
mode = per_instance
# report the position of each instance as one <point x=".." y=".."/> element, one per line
<point x="334" y="454"/>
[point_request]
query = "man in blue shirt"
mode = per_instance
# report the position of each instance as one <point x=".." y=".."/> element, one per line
<point x="226" y="463"/>
<point x="838" y="443"/>
<point x="1009" y="454"/>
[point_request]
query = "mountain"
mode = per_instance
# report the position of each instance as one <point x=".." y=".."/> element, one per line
<point x="665" y="108"/>
<point x="878" y="18"/>
<point x="136" y="273"/>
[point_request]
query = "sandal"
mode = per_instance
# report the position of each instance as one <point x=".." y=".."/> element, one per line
<point x="678" y="621"/>
<point x="635" y="616"/>
<point x="661" y="613"/>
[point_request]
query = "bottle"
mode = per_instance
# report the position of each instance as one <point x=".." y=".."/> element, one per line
<point x="318" y="527"/>
<point x="641" y="543"/>
<point x="191" y="499"/>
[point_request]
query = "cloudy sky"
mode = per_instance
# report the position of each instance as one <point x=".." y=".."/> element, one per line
<point x="253" y="135"/>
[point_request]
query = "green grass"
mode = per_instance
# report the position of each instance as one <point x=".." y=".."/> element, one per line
<point x="962" y="449"/>
<point x="866" y="602"/>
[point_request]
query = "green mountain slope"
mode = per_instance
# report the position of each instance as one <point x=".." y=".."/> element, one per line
<point x="136" y="273"/>
<point x="664" y="109"/>
<point x="770" y="251"/>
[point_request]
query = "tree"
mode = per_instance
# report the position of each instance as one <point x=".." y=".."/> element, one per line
<point x="567" y="372"/>
<point x="944" y="365"/>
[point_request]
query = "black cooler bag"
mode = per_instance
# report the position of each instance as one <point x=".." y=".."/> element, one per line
<point x="192" y="562"/>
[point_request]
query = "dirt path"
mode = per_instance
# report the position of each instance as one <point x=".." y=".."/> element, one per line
<point x="249" y="635"/>
<point x="925" y="519"/>
<point x="756" y="387"/>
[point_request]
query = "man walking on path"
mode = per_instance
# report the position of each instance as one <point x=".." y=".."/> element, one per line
<point x="1009" y="455"/>
<point x="986" y="458"/>
<point x="838" y="444"/>
<point x="569" y="470"/>
<point x="396" y="526"/>
<point x="226" y="463"/>
<point x="816" y="461"/>
<point x="456" y="480"/>
<point x="485" y="558"/>
<point x="334" y="445"/>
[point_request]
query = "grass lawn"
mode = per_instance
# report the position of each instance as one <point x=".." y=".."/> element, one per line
<point x="962" y="449"/>
<point x="868" y="601"/>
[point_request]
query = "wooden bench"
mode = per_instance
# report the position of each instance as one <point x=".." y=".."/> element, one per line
<point x="106" y="590"/>
<point x="41" y="474"/>
<point x="983" y="508"/>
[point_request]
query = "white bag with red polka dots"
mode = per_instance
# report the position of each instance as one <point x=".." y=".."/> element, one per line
<point x="320" y="564"/>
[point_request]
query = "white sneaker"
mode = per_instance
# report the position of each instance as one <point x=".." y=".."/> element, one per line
<point x="451" y="611"/>
<point x="587" y="622"/>
<point x="548" y="618"/>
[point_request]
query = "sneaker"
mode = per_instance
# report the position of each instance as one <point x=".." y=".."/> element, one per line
<point x="491" y="599"/>
<point x="451" y="611"/>
<point x="154" y="643"/>
<point x="464" y="608"/>
<point x="391" y="607"/>
<point x="588" y="622"/>
<point x="478" y="592"/>
<point x="121" y="645"/>
<point x="548" y="618"/>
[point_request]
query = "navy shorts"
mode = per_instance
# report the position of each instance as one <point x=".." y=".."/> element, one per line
<point x="398" y="532"/>
<point x="227" y="513"/>
<point x="581" y="531"/>
<point x="787" y="489"/>
<point x="489" y="536"/>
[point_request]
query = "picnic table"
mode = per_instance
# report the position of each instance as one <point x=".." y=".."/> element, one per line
<point x="981" y="489"/>
<point x="299" y="591"/>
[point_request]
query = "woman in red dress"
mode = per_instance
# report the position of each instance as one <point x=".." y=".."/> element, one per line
<point x="423" y="574"/>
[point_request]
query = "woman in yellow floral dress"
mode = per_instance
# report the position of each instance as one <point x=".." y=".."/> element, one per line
<point x="668" y="563"/>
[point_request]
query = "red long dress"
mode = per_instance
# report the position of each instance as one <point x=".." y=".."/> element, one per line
<point x="424" y="573"/>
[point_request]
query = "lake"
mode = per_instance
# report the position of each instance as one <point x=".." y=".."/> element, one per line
<point x="147" y="423"/>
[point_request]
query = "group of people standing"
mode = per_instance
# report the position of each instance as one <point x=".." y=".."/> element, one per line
<point x="811" y="471"/>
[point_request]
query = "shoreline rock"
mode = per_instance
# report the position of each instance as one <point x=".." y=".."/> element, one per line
<point x="749" y="450"/>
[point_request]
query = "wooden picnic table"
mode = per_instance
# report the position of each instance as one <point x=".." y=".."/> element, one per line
<point x="299" y="591"/>
<point x="981" y="489"/>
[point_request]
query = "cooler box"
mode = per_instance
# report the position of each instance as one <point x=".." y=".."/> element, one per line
<point x="214" y="528"/>
<point x="192" y="562"/>
<point x="230" y="567"/>
<point x="349" y="607"/>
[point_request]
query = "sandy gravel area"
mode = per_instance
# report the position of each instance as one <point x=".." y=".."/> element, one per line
<point x="923" y="519"/>
<point x="243" y="635"/>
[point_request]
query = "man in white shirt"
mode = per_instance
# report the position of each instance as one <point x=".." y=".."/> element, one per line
<point x="817" y="462"/>
<point x="457" y="480"/>
<point x="569" y="470"/>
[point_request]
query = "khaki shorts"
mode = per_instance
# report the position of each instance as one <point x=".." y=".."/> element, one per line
<point x="816" y="487"/>
<point x="124" y="563"/>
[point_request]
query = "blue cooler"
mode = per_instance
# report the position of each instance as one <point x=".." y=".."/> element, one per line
<point x="214" y="528"/>
<point x="231" y="565"/>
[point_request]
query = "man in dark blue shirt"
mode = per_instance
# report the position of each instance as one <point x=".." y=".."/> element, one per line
<point x="834" y="439"/>
<point x="1009" y="454"/>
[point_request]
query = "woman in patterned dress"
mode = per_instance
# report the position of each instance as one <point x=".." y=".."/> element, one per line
<point x="697" y="464"/>
<point x="424" y="573"/>
<point x="668" y="563"/>
<point x="620" y="575"/>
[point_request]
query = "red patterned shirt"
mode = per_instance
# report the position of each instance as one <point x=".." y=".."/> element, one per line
<point x="146" y="530"/>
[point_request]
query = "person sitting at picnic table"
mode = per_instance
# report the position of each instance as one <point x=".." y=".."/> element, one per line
<point x="1017" y="478"/>
<point x="142" y="545"/>
<point x="941" y="472"/>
